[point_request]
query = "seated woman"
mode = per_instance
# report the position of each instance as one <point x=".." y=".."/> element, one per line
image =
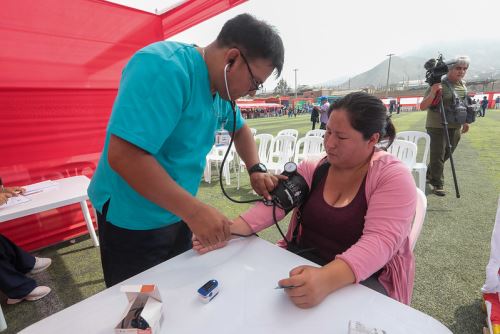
<point x="15" y="263"/>
<point x="358" y="217"/>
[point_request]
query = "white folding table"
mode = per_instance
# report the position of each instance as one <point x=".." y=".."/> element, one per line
<point x="248" y="271"/>
<point x="69" y="190"/>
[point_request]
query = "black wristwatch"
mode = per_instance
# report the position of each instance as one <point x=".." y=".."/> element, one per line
<point x="257" y="168"/>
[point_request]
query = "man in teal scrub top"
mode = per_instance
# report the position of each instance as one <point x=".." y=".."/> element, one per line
<point x="172" y="98"/>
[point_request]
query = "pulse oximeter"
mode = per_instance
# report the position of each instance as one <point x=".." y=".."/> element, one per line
<point x="208" y="291"/>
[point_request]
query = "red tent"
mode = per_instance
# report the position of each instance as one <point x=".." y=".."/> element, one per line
<point x="60" y="66"/>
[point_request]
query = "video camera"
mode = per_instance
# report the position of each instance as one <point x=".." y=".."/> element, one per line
<point x="436" y="68"/>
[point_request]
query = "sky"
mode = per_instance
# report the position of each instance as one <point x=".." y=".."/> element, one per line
<point x="326" y="39"/>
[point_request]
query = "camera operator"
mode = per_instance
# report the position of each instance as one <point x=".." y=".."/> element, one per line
<point x="439" y="152"/>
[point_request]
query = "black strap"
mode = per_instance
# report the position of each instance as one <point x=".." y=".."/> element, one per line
<point x="454" y="93"/>
<point x="318" y="175"/>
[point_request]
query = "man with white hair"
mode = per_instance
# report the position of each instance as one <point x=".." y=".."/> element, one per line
<point x="452" y="90"/>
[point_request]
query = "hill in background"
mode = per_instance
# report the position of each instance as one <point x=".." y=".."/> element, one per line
<point x="484" y="55"/>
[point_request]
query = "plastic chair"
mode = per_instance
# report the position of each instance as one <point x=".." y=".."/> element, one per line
<point x="419" y="219"/>
<point x="316" y="133"/>
<point x="217" y="155"/>
<point x="264" y="142"/>
<point x="288" y="132"/>
<point x="281" y="151"/>
<point x="404" y="150"/>
<point x="308" y="148"/>
<point x="421" y="166"/>
<point x="254" y="131"/>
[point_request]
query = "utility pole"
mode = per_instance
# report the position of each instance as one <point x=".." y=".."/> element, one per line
<point x="295" y="70"/>
<point x="388" y="72"/>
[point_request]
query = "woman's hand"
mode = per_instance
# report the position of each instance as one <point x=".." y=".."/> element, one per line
<point x="200" y="249"/>
<point x="14" y="191"/>
<point x="4" y="197"/>
<point x="310" y="286"/>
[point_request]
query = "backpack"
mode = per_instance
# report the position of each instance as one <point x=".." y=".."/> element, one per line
<point x="459" y="111"/>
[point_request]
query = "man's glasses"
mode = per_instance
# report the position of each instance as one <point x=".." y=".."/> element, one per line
<point x="256" y="85"/>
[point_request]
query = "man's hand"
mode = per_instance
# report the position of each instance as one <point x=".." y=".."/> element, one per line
<point x="465" y="128"/>
<point x="310" y="286"/>
<point x="200" y="249"/>
<point x="263" y="183"/>
<point x="209" y="225"/>
<point x="435" y="88"/>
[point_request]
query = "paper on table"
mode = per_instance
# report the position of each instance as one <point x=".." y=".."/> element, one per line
<point x="356" y="327"/>
<point x="14" y="201"/>
<point x="40" y="186"/>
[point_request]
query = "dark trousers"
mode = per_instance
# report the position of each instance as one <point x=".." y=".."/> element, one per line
<point x="126" y="253"/>
<point x="314" y="125"/>
<point x="439" y="153"/>
<point x="14" y="264"/>
<point x="322" y="126"/>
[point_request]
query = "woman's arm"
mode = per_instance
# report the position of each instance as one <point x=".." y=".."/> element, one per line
<point x="391" y="208"/>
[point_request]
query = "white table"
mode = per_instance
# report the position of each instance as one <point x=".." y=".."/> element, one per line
<point x="70" y="190"/>
<point x="247" y="271"/>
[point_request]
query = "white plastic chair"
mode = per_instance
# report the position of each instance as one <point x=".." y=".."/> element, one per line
<point x="254" y="131"/>
<point x="316" y="133"/>
<point x="308" y="148"/>
<point x="288" y="132"/>
<point x="421" y="166"/>
<point x="404" y="150"/>
<point x="281" y="151"/>
<point x="264" y="142"/>
<point x="216" y="155"/>
<point x="419" y="219"/>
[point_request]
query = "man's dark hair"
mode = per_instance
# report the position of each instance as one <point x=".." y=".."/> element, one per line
<point x="256" y="39"/>
<point x="367" y="114"/>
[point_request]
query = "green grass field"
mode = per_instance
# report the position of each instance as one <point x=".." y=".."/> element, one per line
<point x="451" y="254"/>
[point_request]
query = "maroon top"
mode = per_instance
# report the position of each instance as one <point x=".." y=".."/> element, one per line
<point x="331" y="231"/>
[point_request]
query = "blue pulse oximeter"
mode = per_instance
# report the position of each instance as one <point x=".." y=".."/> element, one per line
<point x="208" y="291"/>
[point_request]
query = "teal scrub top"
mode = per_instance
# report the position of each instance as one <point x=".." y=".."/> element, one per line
<point x="164" y="106"/>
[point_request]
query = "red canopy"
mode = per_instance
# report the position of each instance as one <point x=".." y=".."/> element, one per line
<point x="60" y="66"/>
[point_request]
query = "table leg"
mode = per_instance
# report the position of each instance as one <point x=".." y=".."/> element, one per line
<point x="88" y="220"/>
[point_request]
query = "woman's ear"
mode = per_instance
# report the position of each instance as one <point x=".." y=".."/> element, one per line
<point x="374" y="139"/>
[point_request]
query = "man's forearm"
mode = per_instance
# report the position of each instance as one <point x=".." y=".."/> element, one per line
<point x="147" y="177"/>
<point x="426" y="102"/>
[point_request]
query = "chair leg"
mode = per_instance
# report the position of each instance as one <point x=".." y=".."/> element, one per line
<point x="227" y="174"/>
<point x="422" y="173"/>
<point x="207" y="175"/>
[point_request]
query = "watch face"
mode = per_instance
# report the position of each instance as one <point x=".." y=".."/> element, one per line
<point x="262" y="167"/>
<point x="290" y="167"/>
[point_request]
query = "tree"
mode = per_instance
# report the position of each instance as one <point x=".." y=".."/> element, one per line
<point x="282" y="87"/>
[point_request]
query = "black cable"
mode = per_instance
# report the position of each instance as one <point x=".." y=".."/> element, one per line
<point x="245" y="201"/>
<point x="244" y="235"/>
<point x="277" y="225"/>
<point x="224" y="161"/>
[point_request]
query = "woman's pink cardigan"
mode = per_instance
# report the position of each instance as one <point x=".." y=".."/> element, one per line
<point x="391" y="196"/>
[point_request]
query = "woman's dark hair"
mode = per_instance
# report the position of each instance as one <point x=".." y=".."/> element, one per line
<point x="256" y="39"/>
<point x="367" y="114"/>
